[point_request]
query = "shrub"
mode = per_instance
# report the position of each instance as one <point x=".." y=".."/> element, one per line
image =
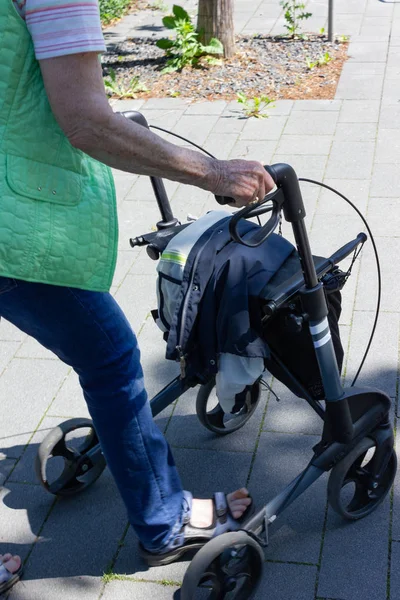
<point x="112" y="9"/>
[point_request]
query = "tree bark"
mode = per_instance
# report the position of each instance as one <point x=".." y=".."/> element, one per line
<point x="215" y="19"/>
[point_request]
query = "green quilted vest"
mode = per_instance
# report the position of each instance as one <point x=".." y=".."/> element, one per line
<point x="58" y="221"/>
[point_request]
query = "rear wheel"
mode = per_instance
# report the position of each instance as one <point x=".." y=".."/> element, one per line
<point x="69" y="459"/>
<point x="215" y="419"/>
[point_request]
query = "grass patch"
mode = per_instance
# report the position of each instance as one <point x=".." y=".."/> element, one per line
<point x="110" y="10"/>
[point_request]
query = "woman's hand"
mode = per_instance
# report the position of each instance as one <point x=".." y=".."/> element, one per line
<point x="243" y="180"/>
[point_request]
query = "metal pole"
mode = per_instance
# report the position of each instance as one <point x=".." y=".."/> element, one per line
<point x="330" y="22"/>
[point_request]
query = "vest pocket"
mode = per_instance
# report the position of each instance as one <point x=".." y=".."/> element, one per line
<point x="41" y="181"/>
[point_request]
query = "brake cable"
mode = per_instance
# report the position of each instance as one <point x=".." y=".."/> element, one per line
<point x="356" y="253"/>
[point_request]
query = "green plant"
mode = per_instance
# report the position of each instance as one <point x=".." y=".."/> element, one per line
<point x="112" y="9"/>
<point x="118" y="89"/>
<point x="322" y="60"/>
<point x="343" y="39"/>
<point x="294" y="13"/>
<point x="322" y="31"/>
<point x="255" y="107"/>
<point x="185" y="49"/>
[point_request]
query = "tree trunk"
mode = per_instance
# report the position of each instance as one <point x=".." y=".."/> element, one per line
<point x="215" y="19"/>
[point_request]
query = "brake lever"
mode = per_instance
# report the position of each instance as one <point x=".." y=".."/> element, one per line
<point x="262" y="233"/>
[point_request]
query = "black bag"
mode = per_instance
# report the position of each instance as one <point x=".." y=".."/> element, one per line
<point x="296" y="351"/>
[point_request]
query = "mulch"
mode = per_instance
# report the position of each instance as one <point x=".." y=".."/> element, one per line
<point x="262" y="65"/>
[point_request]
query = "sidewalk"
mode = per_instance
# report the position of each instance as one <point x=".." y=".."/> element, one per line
<point x="351" y="143"/>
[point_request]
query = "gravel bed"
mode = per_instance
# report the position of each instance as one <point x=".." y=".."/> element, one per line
<point x="263" y="65"/>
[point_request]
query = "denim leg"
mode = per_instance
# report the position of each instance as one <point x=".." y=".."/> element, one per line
<point x="88" y="331"/>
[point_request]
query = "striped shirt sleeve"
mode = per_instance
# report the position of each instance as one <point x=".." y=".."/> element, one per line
<point x="61" y="27"/>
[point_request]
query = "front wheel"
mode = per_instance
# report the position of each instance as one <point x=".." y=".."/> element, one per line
<point x="350" y="493"/>
<point x="228" y="567"/>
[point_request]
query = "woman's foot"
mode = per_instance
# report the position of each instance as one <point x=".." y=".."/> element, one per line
<point x="10" y="571"/>
<point x="11" y="563"/>
<point x="203" y="520"/>
<point x="203" y="510"/>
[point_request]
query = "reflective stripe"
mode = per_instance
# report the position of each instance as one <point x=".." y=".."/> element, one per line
<point x="320" y="327"/>
<point x="323" y="340"/>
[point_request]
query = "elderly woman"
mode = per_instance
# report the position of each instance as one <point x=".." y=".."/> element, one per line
<point x="58" y="242"/>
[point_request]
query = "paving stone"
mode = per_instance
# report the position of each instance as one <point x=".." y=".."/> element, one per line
<point x="348" y="550"/>
<point x="221" y="144"/>
<point x="305" y="166"/>
<point x="125" y="262"/>
<point x="36" y="388"/>
<point x="264" y="129"/>
<point x="356" y="190"/>
<point x="317" y="105"/>
<point x="359" y="111"/>
<point x="123" y="183"/>
<point x="396" y="498"/>
<point x="395" y="575"/>
<point x="385" y="181"/>
<point x="231" y="121"/>
<point x="284" y="581"/>
<point x="291" y="414"/>
<point x="390" y="117"/>
<point x="330" y="232"/>
<point x="69" y="401"/>
<point x="22" y="512"/>
<point x="166" y="103"/>
<point x="127" y="105"/>
<point x="304" y="144"/>
<point x="311" y="123"/>
<point x="364" y="82"/>
<point x="367" y="286"/>
<point x="390" y="224"/>
<point x="283" y="107"/>
<point x="350" y="160"/>
<point x="391" y="89"/>
<point x="368" y="51"/>
<point x="196" y="130"/>
<point x="254" y="150"/>
<point x="73" y="588"/>
<point x="296" y="533"/>
<point x="132" y="288"/>
<point x="97" y="516"/>
<point x="30" y="348"/>
<point x="7" y="352"/>
<point x="206" y="108"/>
<point x="355" y="132"/>
<point x="126" y="590"/>
<point x="6" y="465"/>
<point x="380" y="368"/>
<point x="9" y="333"/>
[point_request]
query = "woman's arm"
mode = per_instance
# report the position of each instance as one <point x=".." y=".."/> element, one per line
<point x="75" y="88"/>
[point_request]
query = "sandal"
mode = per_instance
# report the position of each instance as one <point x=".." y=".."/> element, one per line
<point x="8" y="579"/>
<point x="193" y="538"/>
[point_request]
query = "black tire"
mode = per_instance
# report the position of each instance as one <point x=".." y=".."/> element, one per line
<point x="79" y="470"/>
<point x="228" y="566"/>
<point x="353" y="470"/>
<point x="216" y="420"/>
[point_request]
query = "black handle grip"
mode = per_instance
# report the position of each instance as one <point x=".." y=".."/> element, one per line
<point x="224" y="200"/>
<point x="227" y="200"/>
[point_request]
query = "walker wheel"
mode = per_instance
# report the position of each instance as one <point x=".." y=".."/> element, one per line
<point x="213" y="417"/>
<point x="69" y="459"/>
<point x="349" y="491"/>
<point x="227" y="567"/>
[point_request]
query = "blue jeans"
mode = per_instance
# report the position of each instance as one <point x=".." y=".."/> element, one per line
<point x="89" y="332"/>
